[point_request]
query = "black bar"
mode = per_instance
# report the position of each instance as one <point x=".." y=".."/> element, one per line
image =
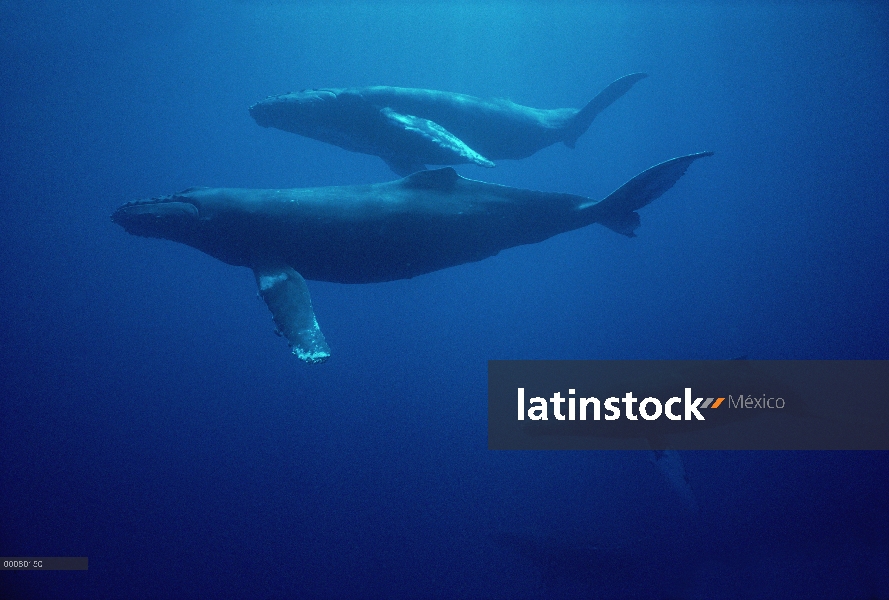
<point x="44" y="563"/>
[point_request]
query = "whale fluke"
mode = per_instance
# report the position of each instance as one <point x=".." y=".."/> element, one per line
<point x="618" y="210"/>
<point x="585" y="116"/>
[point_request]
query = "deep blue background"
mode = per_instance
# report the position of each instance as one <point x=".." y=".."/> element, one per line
<point x="150" y="420"/>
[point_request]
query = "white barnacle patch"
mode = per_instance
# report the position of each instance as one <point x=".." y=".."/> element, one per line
<point x="267" y="282"/>
<point x="312" y="357"/>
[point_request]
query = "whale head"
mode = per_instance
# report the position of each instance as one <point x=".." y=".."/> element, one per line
<point x="213" y="220"/>
<point x="293" y="111"/>
<point x="174" y="217"/>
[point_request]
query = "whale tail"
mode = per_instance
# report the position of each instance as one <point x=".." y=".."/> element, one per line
<point x="618" y="210"/>
<point x="578" y="125"/>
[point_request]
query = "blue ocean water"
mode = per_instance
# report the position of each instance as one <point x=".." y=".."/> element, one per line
<point x="151" y="421"/>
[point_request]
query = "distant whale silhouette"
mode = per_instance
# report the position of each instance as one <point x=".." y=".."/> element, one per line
<point x="428" y="221"/>
<point x="582" y="566"/>
<point x="409" y="128"/>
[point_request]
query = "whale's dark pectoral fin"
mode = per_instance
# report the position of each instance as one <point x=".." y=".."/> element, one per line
<point x="671" y="467"/>
<point x="287" y="296"/>
<point x="585" y="116"/>
<point x="617" y="211"/>
<point x="432" y="139"/>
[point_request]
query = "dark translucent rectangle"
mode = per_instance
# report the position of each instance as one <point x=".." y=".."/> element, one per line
<point x="44" y="563"/>
<point x="713" y="405"/>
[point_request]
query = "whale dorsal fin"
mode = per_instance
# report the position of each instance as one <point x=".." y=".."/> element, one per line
<point x="403" y="166"/>
<point x="286" y="294"/>
<point x="436" y="179"/>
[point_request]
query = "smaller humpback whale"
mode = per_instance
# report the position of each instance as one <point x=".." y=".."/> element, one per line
<point x="409" y="128"/>
<point x="428" y="221"/>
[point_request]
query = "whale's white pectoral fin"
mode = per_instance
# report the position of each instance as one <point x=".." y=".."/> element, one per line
<point x="287" y="296"/>
<point x="453" y="149"/>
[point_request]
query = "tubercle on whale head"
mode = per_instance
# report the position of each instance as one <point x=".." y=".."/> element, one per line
<point x="278" y="111"/>
<point x="170" y="217"/>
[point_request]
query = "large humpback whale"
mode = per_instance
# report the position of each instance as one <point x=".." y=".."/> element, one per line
<point x="410" y="128"/>
<point x="427" y="221"/>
